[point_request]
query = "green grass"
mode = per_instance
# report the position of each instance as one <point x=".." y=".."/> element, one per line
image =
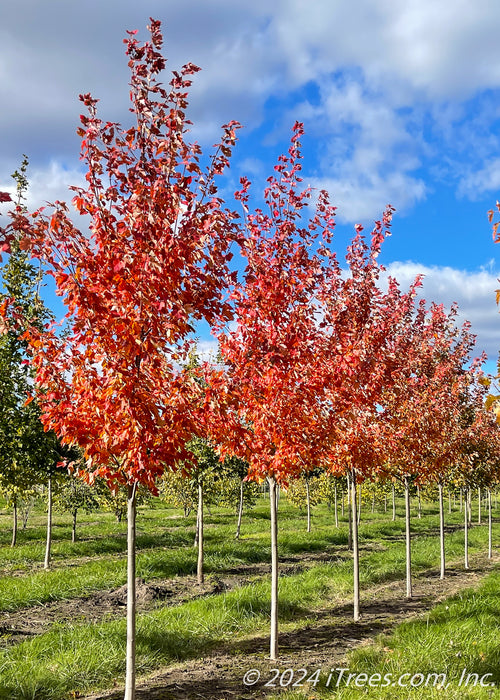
<point x="164" y="554"/>
<point x="79" y="657"/>
<point x="84" y="656"/>
<point x="447" y="653"/>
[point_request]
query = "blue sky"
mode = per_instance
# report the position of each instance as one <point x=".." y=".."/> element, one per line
<point x="400" y="101"/>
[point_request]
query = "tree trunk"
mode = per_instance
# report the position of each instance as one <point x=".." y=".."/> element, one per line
<point x="46" y="564"/>
<point x="393" y="502"/>
<point x="14" y="523"/>
<point x="199" y="569"/>
<point x="197" y="530"/>
<point x="131" y="602"/>
<point x="355" y="549"/>
<point x="479" y="506"/>
<point x="469" y="505"/>
<point x="466" y="530"/>
<point x="359" y="503"/>
<point x="385" y="503"/>
<point x="274" y="569"/>
<point x="449" y="502"/>
<point x="308" y="498"/>
<point x="349" y="512"/>
<point x="461" y="500"/>
<point x="336" y="505"/>
<point x="441" y="530"/>
<point x="419" y="502"/>
<point x="408" y="539"/>
<point x="73" y="528"/>
<point x="25" y="512"/>
<point x="342" y="502"/>
<point x="240" y="511"/>
<point x="373" y="503"/>
<point x="490" y="540"/>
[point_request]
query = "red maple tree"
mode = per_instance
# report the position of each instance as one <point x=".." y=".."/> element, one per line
<point x="424" y="406"/>
<point x="266" y="402"/>
<point x="361" y="322"/>
<point x="153" y="260"/>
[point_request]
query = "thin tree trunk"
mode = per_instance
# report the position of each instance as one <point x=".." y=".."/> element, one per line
<point x="441" y="530"/>
<point x="240" y="512"/>
<point x="393" y="502"/>
<point x="25" y="513"/>
<point x="419" y="502"/>
<point x="490" y="539"/>
<point x="408" y="539"/>
<point x="14" y="523"/>
<point x="274" y="569"/>
<point x="479" y="506"/>
<point x="308" y="499"/>
<point x="469" y="505"/>
<point x="385" y="503"/>
<point x="199" y="569"/>
<point x="336" y="505"/>
<point x="349" y="512"/>
<point x="373" y="503"/>
<point x="359" y="504"/>
<point x="46" y="564"/>
<point x="197" y="530"/>
<point x="355" y="549"/>
<point x="466" y="530"/>
<point x="449" y="502"/>
<point x="131" y="602"/>
<point x="73" y="528"/>
<point x="342" y="503"/>
<point x="461" y="500"/>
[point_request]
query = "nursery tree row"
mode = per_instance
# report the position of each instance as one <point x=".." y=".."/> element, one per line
<point x="322" y="364"/>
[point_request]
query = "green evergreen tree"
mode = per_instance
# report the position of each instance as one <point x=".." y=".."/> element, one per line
<point x="27" y="452"/>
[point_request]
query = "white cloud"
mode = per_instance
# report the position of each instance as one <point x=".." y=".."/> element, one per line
<point x="362" y="196"/>
<point x="420" y="59"/>
<point x="486" y="179"/>
<point x="440" y="50"/>
<point x="474" y="292"/>
<point x="49" y="184"/>
<point x="53" y="183"/>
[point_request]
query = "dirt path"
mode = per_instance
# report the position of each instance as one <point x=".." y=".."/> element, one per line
<point x="321" y="644"/>
<point x="28" y="622"/>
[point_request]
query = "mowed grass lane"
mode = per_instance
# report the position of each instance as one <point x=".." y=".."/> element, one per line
<point x="79" y="657"/>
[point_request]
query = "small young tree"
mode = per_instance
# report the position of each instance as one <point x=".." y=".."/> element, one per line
<point x="156" y="260"/>
<point x="75" y="495"/>
<point x="178" y="491"/>
<point x="362" y="324"/>
<point x="202" y="467"/>
<point x="267" y="396"/>
<point x="424" y="407"/>
<point x="25" y="448"/>
<point x="305" y="491"/>
<point x="234" y="490"/>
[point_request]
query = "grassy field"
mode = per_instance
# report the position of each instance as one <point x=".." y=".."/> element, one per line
<point x="70" y="655"/>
